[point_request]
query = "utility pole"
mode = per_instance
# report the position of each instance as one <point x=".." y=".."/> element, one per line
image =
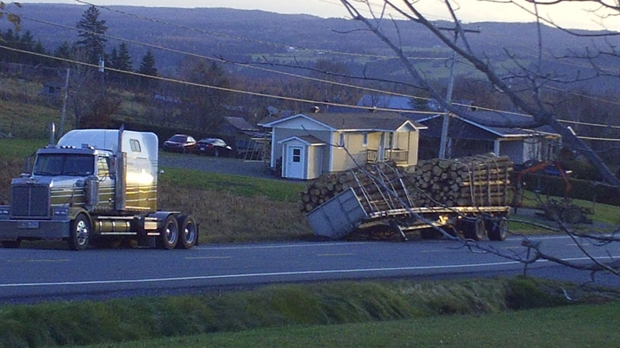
<point x="64" y="104"/>
<point x="444" y="140"/>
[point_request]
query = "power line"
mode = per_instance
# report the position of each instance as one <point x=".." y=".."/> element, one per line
<point x="271" y="71"/>
<point x="256" y="94"/>
<point x="232" y="90"/>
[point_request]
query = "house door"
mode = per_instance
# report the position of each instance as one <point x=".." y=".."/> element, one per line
<point x="295" y="163"/>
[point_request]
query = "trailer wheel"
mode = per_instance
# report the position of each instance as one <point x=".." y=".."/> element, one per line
<point x="498" y="230"/>
<point x="476" y="229"/>
<point x="11" y="244"/>
<point x="169" y="233"/>
<point x="188" y="232"/>
<point x="430" y="233"/>
<point x="79" y="235"/>
<point x="572" y="215"/>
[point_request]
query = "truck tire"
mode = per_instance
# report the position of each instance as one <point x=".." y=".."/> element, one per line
<point x="188" y="232"/>
<point x="79" y="235"/>
<point x="11" y="244"/>
<point x="498" y="229"/>
<point x="475" y="230"/>
<point x="169" y="233"/>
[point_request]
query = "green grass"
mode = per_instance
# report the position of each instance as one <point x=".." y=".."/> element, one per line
<point x="246" y="186"/>
<point x="19" y="149"/>
<point x="362" y="313"/>
<point x="567" y="327"/>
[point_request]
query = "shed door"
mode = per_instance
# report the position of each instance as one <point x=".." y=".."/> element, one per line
<point x="295" y="162"/>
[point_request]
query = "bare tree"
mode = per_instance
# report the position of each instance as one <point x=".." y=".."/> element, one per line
<point x="523" y="85"/>
<point x="6" y="13"/>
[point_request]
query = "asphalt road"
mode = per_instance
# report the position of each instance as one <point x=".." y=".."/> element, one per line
<point x="32" y="275"/>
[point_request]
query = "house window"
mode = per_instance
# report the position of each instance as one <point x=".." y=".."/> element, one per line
<point x="341" y="140"/>
<point x="365" y="139"/>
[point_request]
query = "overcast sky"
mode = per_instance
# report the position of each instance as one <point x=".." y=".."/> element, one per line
<point x="569" y="15"/>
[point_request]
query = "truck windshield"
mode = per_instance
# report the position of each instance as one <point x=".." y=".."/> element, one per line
<point x="64" y="164"/>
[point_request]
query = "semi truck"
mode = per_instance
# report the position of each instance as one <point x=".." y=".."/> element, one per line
<point x="94" y="185"/>
<point x="464" y="197"/>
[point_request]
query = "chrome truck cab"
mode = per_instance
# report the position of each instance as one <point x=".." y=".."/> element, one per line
<point x="94" y="184"/>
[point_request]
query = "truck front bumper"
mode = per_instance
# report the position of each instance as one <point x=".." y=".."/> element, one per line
<point x="34" y="229"/>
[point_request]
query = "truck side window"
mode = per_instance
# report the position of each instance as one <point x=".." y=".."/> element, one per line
<point x="103" y="167"/>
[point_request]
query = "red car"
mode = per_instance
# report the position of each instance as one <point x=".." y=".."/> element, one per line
<point x="180" y="143"/>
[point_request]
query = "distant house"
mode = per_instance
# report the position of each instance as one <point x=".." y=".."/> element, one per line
<point x="309" y="145"/>
<point x="51" y="89"/>
<point x="470" y="136"/>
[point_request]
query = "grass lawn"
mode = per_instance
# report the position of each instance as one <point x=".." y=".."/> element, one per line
<point x="571" y="326"/>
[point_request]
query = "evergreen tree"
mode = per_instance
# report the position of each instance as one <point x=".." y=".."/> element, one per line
<point x="91" y="30"/>
<point x="147" y="65"/>
<point x="63" y="51"/>
<point x="123" y="59"/>
<point x="113" y="61"/>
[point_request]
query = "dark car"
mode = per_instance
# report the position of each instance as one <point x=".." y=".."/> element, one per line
<point x="180" y="143"/>
<point x="213" y="147"/>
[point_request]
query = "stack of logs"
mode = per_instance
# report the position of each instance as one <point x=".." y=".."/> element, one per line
<point x="468" y="181"/>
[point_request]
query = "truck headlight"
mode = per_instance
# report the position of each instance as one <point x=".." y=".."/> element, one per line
<point x="61" y="211"/>
<point x="5" y="211"/>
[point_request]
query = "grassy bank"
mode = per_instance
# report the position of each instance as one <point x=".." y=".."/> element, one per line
<point x="567" y="327"/>
<point x="300" y="307"/>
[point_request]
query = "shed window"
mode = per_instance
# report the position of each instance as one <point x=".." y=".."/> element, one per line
<point x="365" y="139"/>
<point x="296" y="155"/>
<point x="341" y="140"/>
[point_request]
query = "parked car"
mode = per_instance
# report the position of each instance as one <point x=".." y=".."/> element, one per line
<point x="180" y="143"/>
<point x="213" y="147"/>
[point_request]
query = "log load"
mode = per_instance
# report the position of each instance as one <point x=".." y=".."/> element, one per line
<point x="468" y="181"/>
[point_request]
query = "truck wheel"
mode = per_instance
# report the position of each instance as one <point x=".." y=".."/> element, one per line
<point x="11" y="244"/>
<point x="79" y="235"/>
<point x="188" y="232"/>
<point x="169" y="233"/>
<point x="498" y="230"/>
<point x="475" y="230"/>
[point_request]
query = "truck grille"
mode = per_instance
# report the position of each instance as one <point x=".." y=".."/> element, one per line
<point x="30" y="201"/>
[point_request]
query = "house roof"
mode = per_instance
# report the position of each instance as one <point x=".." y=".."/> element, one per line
<point x="241" y="124"/>
<point x="307" y="139"/>
<point x="474" y="127"/>
<point x="378" y="121"/>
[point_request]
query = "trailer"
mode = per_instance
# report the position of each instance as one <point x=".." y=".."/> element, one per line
<point x="383" y="198"/>
<point x="94" y="185"/>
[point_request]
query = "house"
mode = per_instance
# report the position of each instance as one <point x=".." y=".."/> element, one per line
<point x="52" y="89"/>
<point x="305" y="146"/>
<point x="472" y="136"/>
<point x="237" y="127"/>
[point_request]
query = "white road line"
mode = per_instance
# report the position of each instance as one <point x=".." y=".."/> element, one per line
<point x="269" y="274"/>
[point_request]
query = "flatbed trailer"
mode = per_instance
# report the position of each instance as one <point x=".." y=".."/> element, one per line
<point x="378" y="201"/>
